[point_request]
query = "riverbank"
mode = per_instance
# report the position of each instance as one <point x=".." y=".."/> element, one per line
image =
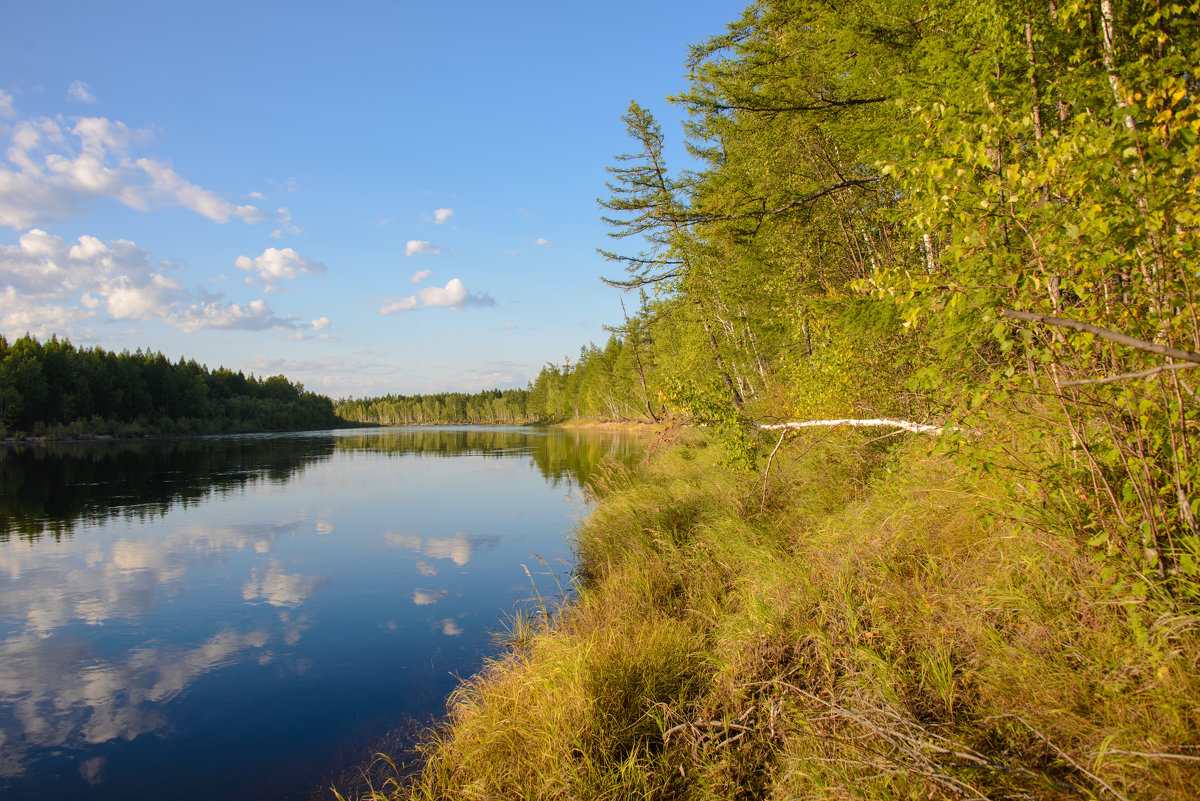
<point x="866" y="624"/>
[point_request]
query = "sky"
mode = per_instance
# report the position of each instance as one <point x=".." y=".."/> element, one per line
<point x="369" y="198"/>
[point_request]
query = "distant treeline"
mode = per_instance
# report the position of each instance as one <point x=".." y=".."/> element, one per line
<point x="602" y="384"/>
<point x="55" y="389"/>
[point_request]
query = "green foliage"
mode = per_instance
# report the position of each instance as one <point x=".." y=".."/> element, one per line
<point x="878" y="181"/>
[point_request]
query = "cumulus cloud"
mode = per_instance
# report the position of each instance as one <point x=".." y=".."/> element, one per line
<point x="454" y="296"/>
<point x="320" y="324"/>
<point x="541" y="241"/>
<point x="253" y="316"/>
<point x="416" y="246"/>
<point x="18" y="314"/>
<point x="274" y="265"/>
<point x="81" y="92"/>
<point x="46" y="284"/>
<point x="440" y="216"/>
<point x="420" y="275"/>
<point x="57" y="166"/>
<point x="397" y="306"/>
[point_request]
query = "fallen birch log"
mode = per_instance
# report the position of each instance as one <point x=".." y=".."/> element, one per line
<point x="916" y="428"/>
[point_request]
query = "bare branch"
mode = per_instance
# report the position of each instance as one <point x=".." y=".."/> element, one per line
<point x="795" y="204"/>
<point x="1130" y="376"/>
<point x="1103" y="333"/>
<point x="824" y="105"/>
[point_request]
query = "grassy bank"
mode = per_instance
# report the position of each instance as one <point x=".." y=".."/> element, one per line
<point x="868" y="625"/>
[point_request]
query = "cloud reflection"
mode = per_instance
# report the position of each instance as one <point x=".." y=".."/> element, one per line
<point x="278" y="588"/>
<point x="458" y="548"/>
<point x="98" y="580"/>
<point x="56" y="692"/>
<point x="428" y="597"/>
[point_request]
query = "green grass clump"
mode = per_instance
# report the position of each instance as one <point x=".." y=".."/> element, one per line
<point x="860" y="624"/>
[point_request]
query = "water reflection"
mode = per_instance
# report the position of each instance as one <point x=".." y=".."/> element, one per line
<point x="46" y="490"/>
<point x="276" y="589"/>
<point x="58" y="691"/>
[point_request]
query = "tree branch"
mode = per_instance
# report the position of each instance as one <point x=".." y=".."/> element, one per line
<point x="1130" y="376"/>
<point x="772" y="109"/>
<point x="1103" y="333"/>
<point x="804" y="201"/>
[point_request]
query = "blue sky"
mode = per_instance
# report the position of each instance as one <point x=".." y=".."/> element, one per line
<point x="370" y="197"/>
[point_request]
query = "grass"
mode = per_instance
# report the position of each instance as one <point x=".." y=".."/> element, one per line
<point x="865" y="627"/>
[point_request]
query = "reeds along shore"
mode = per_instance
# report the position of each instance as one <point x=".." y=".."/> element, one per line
<point x="865" y="622"/>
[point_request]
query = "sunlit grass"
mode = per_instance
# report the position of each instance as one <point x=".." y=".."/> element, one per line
<point x="853" y="630"/>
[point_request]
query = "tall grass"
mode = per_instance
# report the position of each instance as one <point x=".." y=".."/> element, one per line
<point x="864" y="624"/>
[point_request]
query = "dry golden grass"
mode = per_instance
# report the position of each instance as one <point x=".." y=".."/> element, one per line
<point x="862" y="628"/>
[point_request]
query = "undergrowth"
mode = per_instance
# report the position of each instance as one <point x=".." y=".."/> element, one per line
<point x="862" y="623"/>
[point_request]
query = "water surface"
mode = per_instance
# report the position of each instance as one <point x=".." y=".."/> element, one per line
<point x="228" y="617"/>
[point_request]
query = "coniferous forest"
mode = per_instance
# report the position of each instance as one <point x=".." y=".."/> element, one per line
<point x="53" y="388"/>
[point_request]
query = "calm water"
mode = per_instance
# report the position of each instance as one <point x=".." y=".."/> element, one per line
<point x="229" y="617"/>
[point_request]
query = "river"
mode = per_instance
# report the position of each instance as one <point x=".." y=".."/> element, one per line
<point x="242" y="617"/>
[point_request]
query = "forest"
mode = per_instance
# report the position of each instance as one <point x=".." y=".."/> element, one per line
<point x="53" y="389"/>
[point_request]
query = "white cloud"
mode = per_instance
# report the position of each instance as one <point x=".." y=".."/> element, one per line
<point x="420" y="275"/>
<point x="541" y="241"/>
<point x="19" y="314"/>
<point x="454" y="296"/>
<point x="258" y="195"/>
<point x="397" y="306"/>
<point x="274" y="265"/>
<point x="286" y="226"/>
<point x="46" y="285"/>
<point x="80" y="91"/>
<point x="254" y="316"/>
<point x="440" y="216"/>
<point x="167" y="184"/>
<point x="450" y="628"/>
<point x="55" y="171"/>
<point x="320" y="324"/>
<point x="128" y="301"/>
<point x="415" y="246"/>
